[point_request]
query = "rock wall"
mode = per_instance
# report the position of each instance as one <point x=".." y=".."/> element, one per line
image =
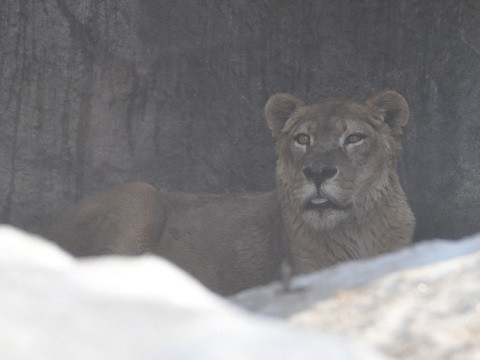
<point x="95" y="93"/>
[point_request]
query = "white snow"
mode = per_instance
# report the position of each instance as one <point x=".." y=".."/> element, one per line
<point x="55" y="307"/>
<point x="420" y="303"/>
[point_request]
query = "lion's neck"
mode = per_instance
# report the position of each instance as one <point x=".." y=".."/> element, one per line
<point x="370" y="232"/>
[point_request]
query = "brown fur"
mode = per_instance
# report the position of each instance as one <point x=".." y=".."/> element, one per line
<point x="232" y="242"/>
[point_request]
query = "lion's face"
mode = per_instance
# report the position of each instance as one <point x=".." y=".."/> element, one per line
<point x="335" y="157"/>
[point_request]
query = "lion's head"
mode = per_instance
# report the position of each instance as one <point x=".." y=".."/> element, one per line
<point x="335" y="159"/>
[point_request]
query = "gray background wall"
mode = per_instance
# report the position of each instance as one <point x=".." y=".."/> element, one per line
<point x="94" y="93"/>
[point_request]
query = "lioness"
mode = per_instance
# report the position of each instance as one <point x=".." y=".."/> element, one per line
<point x="338" y="197"/>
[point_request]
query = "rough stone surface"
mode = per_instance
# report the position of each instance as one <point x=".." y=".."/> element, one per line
<point x="171" y="92"/>
<point x="420" y="303"/>
<point x="430" y="313"/>
<point x="55" y="307"/>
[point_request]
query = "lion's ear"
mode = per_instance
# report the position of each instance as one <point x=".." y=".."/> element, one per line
<point x="279" y="109"/>
<point x="393" y="109"/>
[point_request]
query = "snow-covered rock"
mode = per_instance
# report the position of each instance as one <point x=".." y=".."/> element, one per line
<point x="55" y="307"/>
<point x="420" y="303"/>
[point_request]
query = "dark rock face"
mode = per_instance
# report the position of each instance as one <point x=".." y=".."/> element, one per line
<point x="95" y="93"/>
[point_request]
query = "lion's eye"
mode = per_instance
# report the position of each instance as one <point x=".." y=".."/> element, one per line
<point x="302" y="139"/>
<point x="354" y="138"/>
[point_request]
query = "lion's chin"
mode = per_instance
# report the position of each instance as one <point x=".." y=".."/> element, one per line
<point x="325" y="218"/>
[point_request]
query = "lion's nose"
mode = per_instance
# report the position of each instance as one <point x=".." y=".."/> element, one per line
<point x="318" y="173"/>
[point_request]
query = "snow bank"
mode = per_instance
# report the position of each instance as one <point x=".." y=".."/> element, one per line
<point x="420" y="303"/>
<point x="55" y="307"/>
